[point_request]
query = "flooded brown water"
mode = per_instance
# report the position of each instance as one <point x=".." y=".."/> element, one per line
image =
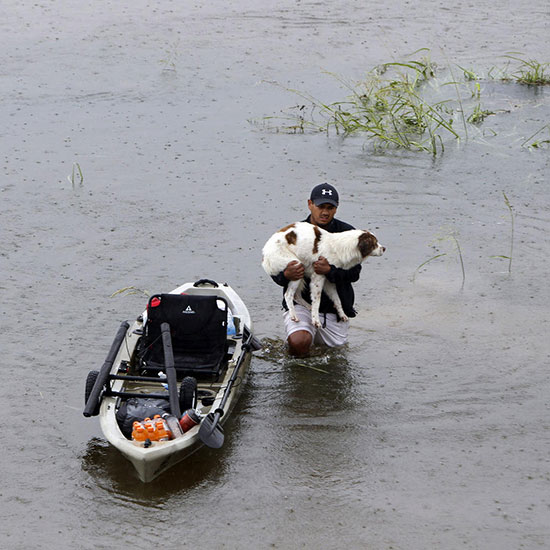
<point x="429" y="430"/>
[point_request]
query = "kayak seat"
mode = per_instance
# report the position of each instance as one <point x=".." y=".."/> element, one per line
<point x="198" y="327"/>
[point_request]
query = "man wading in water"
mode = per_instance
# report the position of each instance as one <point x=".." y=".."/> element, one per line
<point x="322" y="205"/>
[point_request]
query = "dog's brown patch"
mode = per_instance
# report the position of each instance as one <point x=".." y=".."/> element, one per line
<point x="317" y="239"/>
<point x="286" y="227"/>
<point x="367" y="243"/>
<point x="291" y="237"/>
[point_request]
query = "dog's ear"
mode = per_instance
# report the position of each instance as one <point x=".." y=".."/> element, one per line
<point x="367" y="243"/>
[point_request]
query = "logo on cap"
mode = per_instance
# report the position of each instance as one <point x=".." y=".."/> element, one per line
<point x="324" y="193"/>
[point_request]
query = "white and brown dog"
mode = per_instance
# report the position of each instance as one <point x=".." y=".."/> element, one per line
<point x="305" y="243"/>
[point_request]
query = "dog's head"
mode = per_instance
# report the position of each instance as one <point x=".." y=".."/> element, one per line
<point x="369" y="245"/>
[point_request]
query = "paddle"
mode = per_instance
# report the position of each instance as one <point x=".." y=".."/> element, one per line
<point x="210" y="432"/>
<point x="94" y="400"/>
<point x="171" y="375"/>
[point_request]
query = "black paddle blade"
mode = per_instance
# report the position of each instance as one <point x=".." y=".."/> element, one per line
<point x="210" y="432"/>
<point x="256" y="344"/>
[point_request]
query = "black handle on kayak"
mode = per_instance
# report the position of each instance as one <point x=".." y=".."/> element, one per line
<point x="171" y="375"/>
<point x="94" y="399"/>
<point x="206" y="281"/>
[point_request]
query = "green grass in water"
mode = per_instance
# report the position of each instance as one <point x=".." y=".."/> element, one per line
<point x="449" y="235"/>
<point x="130" y="291"/>
<point x="531" y="72"/>
<point x="512" y="230"/>
<point x="403" y="105"/>
<point x="76" y="174"/>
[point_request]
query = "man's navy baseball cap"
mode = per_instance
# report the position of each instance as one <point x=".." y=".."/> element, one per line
<point x="324" y="193"/>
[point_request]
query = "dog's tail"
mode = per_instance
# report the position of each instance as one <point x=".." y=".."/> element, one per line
<point x="269" y="266"/>
<point x="275" y="255"/>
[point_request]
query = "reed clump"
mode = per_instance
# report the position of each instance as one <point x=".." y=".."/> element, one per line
<point x="404" y="105"/>
<point x="398" y="105"/>
<point x="479" y="115"/>
<point x="389" y="106"/>
<point x="531" y="72"/>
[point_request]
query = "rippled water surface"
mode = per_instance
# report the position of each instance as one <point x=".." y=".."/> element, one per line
<point x="429" y="430"/>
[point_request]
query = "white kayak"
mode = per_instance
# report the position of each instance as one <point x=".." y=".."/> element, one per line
<point x="185" y="357"/>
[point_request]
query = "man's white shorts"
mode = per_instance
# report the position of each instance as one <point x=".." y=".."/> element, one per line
<point x="332" y="332"/>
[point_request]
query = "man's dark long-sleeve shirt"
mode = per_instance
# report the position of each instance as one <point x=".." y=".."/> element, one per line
<point x="342" y="278"/>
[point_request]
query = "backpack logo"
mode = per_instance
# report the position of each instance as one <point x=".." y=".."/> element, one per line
<point x="188" y="310"/>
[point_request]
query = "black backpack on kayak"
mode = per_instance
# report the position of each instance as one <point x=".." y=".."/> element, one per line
<point x="135" y="410"/>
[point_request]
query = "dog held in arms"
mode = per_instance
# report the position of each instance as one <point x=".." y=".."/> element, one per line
<point x="305" y="243"/>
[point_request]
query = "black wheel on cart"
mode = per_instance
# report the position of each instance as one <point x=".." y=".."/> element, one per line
<point x="188" y="394"/>
<point x="90" y="383"/>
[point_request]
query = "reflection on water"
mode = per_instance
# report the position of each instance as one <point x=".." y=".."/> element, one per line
<point x="323" y="382"/>
<point x="116" y="475"/>
<point x="315" y="417"/>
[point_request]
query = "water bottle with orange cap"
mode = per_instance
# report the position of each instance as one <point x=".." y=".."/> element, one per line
<point x="162" y="431"/>
<point x="139" y="433"/>
<point x="151" y="429"/>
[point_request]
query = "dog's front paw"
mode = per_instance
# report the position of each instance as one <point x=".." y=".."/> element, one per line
<point x="294" y="318"/>
<point x="316" y="322"/>
<point x="344" y="318"/>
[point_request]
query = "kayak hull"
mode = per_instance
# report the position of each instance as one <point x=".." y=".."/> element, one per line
<point x="157" y="457"/>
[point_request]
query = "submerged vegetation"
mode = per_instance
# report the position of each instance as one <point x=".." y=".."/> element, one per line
<point x="75" y="175"/>
<point x="530" y="72"/>
<point x="512" y="229"/>
<point x="479" y="115"/>
<point x="130" y="291"/>
<point x="391" y="106"/>
<point x="405" y="104"/>
<point x="450" y="235"/>
<point x="539" y="142"/>
<point x="170" y="60"/>
<point x="512" y="216"/>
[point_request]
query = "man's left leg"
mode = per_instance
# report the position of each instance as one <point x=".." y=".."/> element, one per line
<point x="333" y="333"/>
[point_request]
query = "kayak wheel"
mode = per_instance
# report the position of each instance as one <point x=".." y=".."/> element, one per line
<point x="90" y="382"/>
<point x="188" y="393"/>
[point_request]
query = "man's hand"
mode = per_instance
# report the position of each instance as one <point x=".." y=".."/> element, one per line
<point x="321" y="266"/>
<point x="294" y="271"/>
